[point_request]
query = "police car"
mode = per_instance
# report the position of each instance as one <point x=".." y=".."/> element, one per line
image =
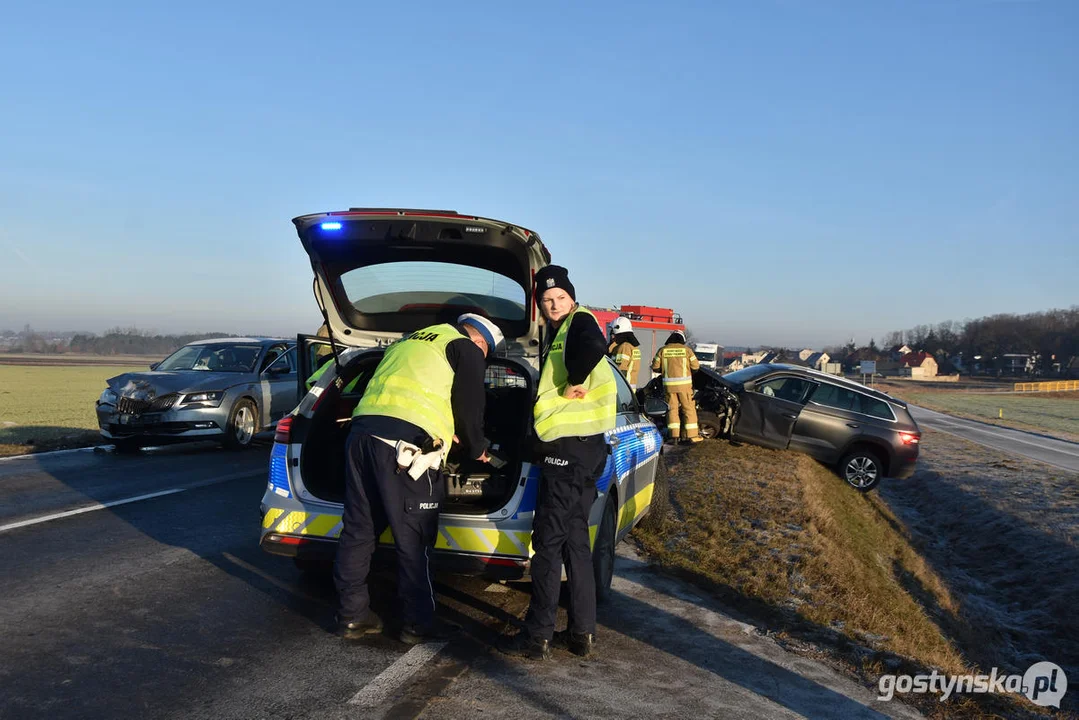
<point x="381" y="274"/>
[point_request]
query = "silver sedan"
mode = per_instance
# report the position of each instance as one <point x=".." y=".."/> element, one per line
<point x="225" y="389"/>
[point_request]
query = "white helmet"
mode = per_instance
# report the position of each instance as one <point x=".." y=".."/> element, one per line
<point x="496" y="342"/>
<point x="621" y="325"/>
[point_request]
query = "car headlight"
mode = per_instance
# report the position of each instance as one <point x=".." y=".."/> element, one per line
<point x="204" y="398"/>
<point x="108" y="397"/>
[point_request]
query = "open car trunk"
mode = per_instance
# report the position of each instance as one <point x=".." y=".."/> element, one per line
<point x="472" y="487"/>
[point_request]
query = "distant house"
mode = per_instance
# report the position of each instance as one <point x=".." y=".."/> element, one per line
<point x="918" y="365"/>
<point x="804" y="355"/>
<point x="754" y="358"/>
<point x="1015" y="363"/>
<point x="898" y="351"/>
<point x="817" y="360"/>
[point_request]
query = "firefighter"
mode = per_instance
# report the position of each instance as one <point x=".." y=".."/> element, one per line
<point x="575" y="406"/>
<point x="625" y="350"/>
<point x="677" y="363"/>
<point x="425" y="393"/>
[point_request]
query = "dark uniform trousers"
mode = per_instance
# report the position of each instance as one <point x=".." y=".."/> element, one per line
<point x="376" y="494"/>
<point x="567" y="490"/>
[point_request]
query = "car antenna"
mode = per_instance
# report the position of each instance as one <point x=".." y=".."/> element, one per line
<point x="329" y="332"/>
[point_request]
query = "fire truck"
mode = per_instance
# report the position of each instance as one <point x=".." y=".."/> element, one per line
<point x="651" y="325"/>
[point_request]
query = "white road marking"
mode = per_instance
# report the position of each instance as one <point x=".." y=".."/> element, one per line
<point x="88" y="508"/>
<point x="125" y="501"/>
<point x="952" y="423"/>
<point x="396" y="675"/>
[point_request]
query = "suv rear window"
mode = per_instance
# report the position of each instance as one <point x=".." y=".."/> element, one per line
<point x="873" y="407"/>
<point x="843" y="399"/>
<point x="420" y="286"/>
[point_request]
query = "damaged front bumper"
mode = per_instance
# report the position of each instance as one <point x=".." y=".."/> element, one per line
<point x="173" y="423"/>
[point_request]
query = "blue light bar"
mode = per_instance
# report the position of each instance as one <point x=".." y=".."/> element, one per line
<point x="330" y="226"/>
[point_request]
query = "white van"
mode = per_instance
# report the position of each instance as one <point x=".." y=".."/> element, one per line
<point x="708" y="354"/>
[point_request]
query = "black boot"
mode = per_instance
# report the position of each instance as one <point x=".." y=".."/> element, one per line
<point x="416" y="634"/>
<point x="524" y="645"/>
<point x="356" y="629"/>
<point x="582" y="644"/>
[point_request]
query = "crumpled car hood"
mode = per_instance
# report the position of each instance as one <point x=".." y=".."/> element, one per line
<point x="148" y="385"/>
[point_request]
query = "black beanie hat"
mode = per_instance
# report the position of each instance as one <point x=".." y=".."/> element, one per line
<point x="554" y="276"/>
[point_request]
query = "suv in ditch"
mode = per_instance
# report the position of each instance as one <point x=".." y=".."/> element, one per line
<point x="863" y="433"/>
<point x="381" y="274"/>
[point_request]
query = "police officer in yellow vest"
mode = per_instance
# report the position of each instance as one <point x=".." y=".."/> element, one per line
<point x="677" y="363"/>
<point x="425" y="393"/>
<point x="575" y="406"/>
<point x="625" y="350"/>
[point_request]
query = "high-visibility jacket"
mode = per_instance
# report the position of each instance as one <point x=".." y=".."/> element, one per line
<point x="677" y="363"/>
<point x="413" y="382"/>
<point x="557" y="417"/>
<point x="627" y="357"/>
<point x="317" y="375"/>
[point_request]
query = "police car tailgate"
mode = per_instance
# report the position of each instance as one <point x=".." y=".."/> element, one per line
<point x="380" y="274"/>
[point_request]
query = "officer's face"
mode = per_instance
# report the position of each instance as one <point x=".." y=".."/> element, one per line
<point x="556" y="304"/>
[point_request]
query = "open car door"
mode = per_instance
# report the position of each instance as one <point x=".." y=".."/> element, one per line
<point x="770" y="408"/>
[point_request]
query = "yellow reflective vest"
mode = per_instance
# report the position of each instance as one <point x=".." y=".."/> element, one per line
<point x="557" y="417"/>
<point x="413" y="382"/>
<point x="677" y="363"/>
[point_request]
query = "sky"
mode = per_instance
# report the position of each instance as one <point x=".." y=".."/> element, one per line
<point x="779" y="171"/>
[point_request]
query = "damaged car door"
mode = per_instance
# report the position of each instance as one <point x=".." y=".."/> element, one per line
<point x="770" y="408"/>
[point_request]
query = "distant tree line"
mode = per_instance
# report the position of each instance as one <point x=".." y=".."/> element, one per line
<point x="116" y="341"/>
<point x="1051" y="336"/>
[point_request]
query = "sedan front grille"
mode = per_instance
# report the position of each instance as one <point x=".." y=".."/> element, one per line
<point x="164" y="402"/>
<point x="131" y="406"/>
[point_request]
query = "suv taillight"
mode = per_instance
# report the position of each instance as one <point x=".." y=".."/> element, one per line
<point x="910" y="438"/>
<point x="284" y="430"/>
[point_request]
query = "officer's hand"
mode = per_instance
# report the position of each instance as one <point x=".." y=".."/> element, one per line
<point x="575" y="392"/>
<point x="484" y="458"/>
<point x="456" y="439"/>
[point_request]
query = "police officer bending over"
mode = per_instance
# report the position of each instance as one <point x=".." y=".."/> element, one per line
<point x="576" y="404"/>
<point x="427" y="387"/>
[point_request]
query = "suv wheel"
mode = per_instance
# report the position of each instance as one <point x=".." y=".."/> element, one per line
<point x="861" y="469"/>
<point x="709" y="426"/>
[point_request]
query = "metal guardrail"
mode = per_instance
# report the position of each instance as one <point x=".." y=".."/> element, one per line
<point x="1050" y="386"/>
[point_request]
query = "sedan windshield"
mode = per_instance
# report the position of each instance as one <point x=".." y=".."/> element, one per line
<point x="223" y="357"/>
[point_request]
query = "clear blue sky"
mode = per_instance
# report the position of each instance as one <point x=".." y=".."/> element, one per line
<point x="779" y="171"/>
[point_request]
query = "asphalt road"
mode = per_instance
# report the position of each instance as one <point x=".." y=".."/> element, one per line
<point x="134" y="587"/>
<point x="1049" y="450"/>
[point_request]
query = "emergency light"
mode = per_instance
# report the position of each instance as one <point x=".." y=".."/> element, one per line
<point x="330" y="226"/>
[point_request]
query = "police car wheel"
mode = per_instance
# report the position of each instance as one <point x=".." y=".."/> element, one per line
<point x="661" y="499"/>
<point x="603" y="551"/>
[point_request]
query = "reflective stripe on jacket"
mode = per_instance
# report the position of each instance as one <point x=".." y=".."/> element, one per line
<point x="677" y="363"/>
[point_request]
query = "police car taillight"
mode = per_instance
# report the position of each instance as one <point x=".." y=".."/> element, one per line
<point x="284" y="430"/>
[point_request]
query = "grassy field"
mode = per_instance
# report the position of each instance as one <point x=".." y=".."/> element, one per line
<point x="74" y="359"/>
<point x="46" y="408"/>
<point x="781" y="538"/>
<point x="1052" y="413"/>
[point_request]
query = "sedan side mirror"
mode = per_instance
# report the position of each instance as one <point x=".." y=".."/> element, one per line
<point x="153" y="366"/>
<point x="654" y="407"/>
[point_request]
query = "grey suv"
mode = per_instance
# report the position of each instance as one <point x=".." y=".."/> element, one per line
<point x="865" y="434"/>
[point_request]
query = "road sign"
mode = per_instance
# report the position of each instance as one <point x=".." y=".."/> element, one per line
<point x="869" y="367"/>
